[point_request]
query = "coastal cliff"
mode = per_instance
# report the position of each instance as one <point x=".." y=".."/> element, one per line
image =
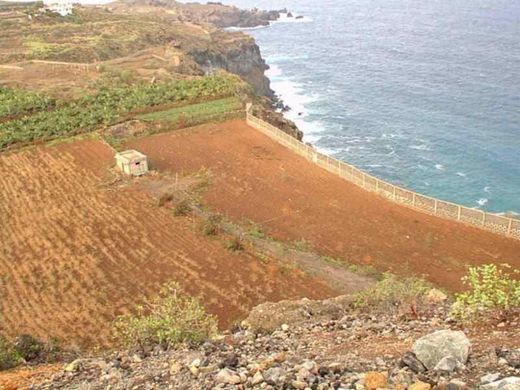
<point x="237" y="54"/>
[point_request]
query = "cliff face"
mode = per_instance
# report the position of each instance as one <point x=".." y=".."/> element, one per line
<point x="237" y="54"/>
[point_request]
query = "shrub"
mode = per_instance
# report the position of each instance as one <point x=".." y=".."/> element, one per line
<point x="27" y="347"/>
<point x="492" y="290"/>
<point x="9" y="358"/>
<point x="211" y="226"/>
<point x="170" y="319"/>
<point x="182" y="208"/>
<point x="234" y="244"/>
<point x="164" y="199"/>
<point x="401" y="295"/>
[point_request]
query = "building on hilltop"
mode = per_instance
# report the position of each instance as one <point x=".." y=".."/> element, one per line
<point x="63" y="8"/>
<point x="132" y="162"/>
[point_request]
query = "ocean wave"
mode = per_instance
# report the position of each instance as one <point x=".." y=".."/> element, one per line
<point x="439" y="167"/>
<point x="482" y="202"/>
<point x="461" y="174"/>
<point x="487" y="189"/>
<point x="420" y="147"/>
<point x="273" y="72"/>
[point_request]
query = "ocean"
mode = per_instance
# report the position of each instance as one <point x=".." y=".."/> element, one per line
<point x="424" y="94"/>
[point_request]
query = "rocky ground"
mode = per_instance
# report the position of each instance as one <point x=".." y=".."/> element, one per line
<point x="321" y="345"/>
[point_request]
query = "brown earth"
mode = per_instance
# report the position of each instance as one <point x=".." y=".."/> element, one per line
<point x="75" y="250"/>
<point x="254" y="178"/>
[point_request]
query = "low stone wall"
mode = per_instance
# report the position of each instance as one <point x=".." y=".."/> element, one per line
<point x="509" y="227"/>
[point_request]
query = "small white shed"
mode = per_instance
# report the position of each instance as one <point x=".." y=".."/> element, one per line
<point x="132" y="162"/>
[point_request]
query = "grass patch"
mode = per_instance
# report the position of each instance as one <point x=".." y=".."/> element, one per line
<point x="194" y="112"/>
<point x="170" y="319"/>
<point x="394" y="294"/>
<point x="234" y="244"/>
<point x="211" y="226"/>
<point x="183" y="208"/>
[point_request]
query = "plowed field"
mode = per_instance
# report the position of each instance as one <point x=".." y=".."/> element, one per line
<point x="257" y="179"/>
<point x="75" y="251"/>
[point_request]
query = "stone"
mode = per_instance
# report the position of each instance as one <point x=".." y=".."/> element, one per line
<point x="490" y="378"/>
<point x="228" y="376"/>
<point x="285" y="327"/>
<point x="273" y="375"/>
<point x="512" y="357"/>
<point x="510" y="383"/>
<point x="375" y="380"/>
<point x="410" y="360"/>
<point x="447" y="364"/>
<point x="434" y="347"/>
<point x="420" y="386"/>
<point x="257" y="379"/>
<point x="299" y="385"/>
<point x="73" y="366"/>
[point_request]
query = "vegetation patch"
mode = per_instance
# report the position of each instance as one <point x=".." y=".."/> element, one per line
<point x="194" y="111"/>
<point x="183" y="208"/>
<point x="494" y="290"/>
<point x="234" y="244"/>
<point x="14" y="102"/>
<point x="394" y="294"/>
<point x="170" y="319"/>
<point x="9" y="357"/>
<point x="107" y="106"/>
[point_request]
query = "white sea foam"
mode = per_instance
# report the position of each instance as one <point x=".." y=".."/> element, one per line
<point x="439" y="167"/>
<point x="487" y="189"/>
<point x="461" y="174"/>
<point x="482" y="201"/>
<point x="420" y="147"/>
<point x="273" y="72"/>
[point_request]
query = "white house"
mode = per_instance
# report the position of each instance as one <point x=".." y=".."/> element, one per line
<point x="63" y="8"/>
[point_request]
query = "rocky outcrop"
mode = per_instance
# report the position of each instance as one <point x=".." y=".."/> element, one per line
<point x="237" y="54"/>
<point x="265" y="111"/>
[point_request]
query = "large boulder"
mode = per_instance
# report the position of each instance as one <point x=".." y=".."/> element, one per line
<point x="511" y="383"/>
<point x="442" y="350"/>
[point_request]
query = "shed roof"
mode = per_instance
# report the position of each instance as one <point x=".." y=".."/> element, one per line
<point x="130" y="155"/>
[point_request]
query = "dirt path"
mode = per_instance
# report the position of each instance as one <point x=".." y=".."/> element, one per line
<point x="257" y="179"/>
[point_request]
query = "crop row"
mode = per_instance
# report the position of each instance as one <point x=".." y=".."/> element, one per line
<point x="106" y="106"/>
<point x="14" y="102"/>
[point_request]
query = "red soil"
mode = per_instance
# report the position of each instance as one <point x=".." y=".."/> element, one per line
<point x="258" y="179"/>
<point x="76" y="251"/>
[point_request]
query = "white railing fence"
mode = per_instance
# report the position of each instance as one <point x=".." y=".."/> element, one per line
<point x="502" y="225"/>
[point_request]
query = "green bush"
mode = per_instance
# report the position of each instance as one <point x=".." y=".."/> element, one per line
<point x="170" y="319"/>
<point x="492" y="289"/>
<point x="9" y="358"/>
<point x="15" y="102"/>
<point x="396" y="294"/>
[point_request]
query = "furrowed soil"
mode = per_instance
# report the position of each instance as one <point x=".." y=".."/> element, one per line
<point x="76" y="250"/>
<point x="256" y="179"/>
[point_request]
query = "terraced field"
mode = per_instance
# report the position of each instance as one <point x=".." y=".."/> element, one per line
<point x="76" y="251"/>
<point x="294" y="200"/>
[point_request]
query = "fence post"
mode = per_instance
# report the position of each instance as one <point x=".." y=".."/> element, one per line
<point x="459" y="212"/>
<point x="510" y="227"/>
<point x="413" y="198"/>
<point x="364" y="180"/>
<point x="483" y="218"/>
<point x="435" y="207"/>
<point x="393" y="188"/>
<point x="352" y="173"/>
<point x="377" y="185"/>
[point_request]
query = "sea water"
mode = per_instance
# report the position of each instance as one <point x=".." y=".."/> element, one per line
<point x="424" y="94"/>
